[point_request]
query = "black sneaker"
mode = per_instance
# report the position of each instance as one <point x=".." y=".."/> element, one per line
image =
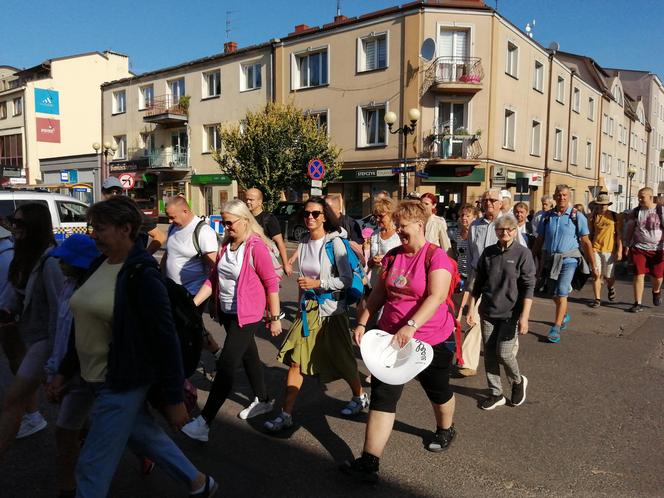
<point x="492" y="401"/>
<point x="636" y="308"/>
<point x="360" y="470"/>
<point x="519" y="391"/>
<point x="657" y="298"/>
<point x="442" y="439"/>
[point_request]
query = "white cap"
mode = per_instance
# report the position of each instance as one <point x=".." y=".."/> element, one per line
<point x="390" y="364"/>
<point x="505" y="193"/>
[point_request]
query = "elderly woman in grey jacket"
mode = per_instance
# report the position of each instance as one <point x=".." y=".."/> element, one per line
<point x="318" y="342"/>
<point x="35" y="283"/>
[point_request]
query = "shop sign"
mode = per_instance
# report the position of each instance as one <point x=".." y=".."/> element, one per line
<point x="499" y="176"/>
<point x="11" y="172"/>
<point x="365" y="174"/>
<point x="21" y="180"/>
<point x="211" y="179"/>
<point x="536" y="179"/>
<point x="47" y="101"/>
<point x="48" y="130"/>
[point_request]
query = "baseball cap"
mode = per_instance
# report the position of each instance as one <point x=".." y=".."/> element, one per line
<point x="111" y="182"/>
<point x="77" y="250"/>
<point x="391" y="364"/>
<point x="505" y="193"/>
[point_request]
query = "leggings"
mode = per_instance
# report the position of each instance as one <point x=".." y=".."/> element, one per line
<point x="239" y="347"/>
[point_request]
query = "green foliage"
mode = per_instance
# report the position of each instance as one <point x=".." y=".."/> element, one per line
<point x="273" y="149"/>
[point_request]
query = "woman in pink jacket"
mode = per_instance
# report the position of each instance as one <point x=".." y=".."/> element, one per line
<point x="243" y="284"/>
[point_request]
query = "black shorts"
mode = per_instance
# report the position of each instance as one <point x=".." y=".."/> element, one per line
<point x="435" y="380"/>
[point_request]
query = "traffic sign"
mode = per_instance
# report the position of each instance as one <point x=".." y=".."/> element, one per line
<point x="317" y="183"/>
<point x="402" y="169"/>
<point x="316" y="169"/>
<point x="422" y="174"/>
<point x="127" y="180"/>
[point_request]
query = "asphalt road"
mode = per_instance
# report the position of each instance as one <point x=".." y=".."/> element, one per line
<point x="592" y="425"/>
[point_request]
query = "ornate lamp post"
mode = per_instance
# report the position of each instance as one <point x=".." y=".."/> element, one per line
<point x="405" y="130"/>
<point x="631" y="171"/>
<point x="102" y="167"/>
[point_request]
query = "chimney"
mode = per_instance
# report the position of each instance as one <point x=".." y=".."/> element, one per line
<point x="230" y="47"/>
<point x="339" y="18"/>
<point x="301" y="27"/>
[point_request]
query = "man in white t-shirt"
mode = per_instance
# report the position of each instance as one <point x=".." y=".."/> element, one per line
<point x="183" y="262"/>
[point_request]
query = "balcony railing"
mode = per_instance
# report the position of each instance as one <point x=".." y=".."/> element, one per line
<point x="166" y="109"/>
<point x="177" y="158"/>
<point x="454" y="74"/>
<point x="447" y="146"/>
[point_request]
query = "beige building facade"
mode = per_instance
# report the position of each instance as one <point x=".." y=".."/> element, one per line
<point x="52" y="118"/>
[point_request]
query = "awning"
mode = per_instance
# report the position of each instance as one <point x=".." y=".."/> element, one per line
<point x="211" y="179"/>
<point x="477" y="176"/>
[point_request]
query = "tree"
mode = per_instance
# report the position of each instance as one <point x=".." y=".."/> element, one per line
<point x="272" y="149"/>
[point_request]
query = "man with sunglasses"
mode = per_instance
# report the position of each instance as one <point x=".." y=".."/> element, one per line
<point x="482" y="234"/>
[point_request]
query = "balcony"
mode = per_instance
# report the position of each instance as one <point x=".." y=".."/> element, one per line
<point x="454" y="75"/>
<point x="453" y="149"/>
<point x="167" y="110"/>
<point x="172" y="158"/>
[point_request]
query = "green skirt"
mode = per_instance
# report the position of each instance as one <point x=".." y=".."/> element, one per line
<point x="327" y="352"/>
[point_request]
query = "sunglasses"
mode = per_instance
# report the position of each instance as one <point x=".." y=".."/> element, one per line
<point x="229" y="224"/>
<point x="16" y="222"/>
<point x="492" y="201"/>
<point x="313" y="214"/>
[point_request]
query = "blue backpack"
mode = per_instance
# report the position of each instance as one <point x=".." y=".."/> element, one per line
<point x="355" y="292"/>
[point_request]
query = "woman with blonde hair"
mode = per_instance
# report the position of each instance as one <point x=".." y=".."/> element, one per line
<point x="242" y="284"/>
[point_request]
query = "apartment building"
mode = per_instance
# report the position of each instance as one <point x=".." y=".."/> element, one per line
<point x="164" y="125"/>
<point x="49" y="118"/>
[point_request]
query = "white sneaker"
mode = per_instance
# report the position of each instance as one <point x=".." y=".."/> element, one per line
<point x="356" y="405"/>
<point x="256" y="408"/>
<point x="31" y="424"/>
<point x="197" y="429"/>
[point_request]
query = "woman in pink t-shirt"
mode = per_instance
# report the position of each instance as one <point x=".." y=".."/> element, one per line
<point x="412" y="291"/>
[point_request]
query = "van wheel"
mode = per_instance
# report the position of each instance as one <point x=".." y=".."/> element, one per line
<point x="298" y="232"/>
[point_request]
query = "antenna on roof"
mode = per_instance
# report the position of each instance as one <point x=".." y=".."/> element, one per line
<point x="338" y="8"/>
<point x="529" y="28"/>
<point x="229" y="23"/>
<point x="554" y="47"/>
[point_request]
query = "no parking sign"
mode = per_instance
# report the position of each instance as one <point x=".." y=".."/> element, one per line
<point x="316" y="169"/>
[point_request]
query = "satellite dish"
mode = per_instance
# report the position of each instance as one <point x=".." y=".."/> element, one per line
<point x="428" y="49"/>
<point x="554" y="47"/>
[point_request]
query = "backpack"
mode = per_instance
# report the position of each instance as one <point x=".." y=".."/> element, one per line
<point x="195" y="236"/>
<point x="454" y="283"/>
<point x="354" y="293"/>
<point x="274" y="255"/>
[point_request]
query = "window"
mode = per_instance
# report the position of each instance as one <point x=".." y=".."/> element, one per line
<point x="3" y="110"/>
<point x="591" y="108"/>
<point x="589" y="154"/>
<point x="610" y="127"/>
<point x="509" y="129"/>
<point x="148" y="143"/>
<point x="605" y="123"/>
<point x="602" y="163"/>
<point x="560" y="90"/>
<point x="11" y="151"/>
<point x="512" y="67"/>
<point x="145" y="96"/>
<point x="372" y="52"/>
<point x="576" y="100"/>
<point x="453" y="49"/>
<point x="311" y="69"/>
<point x="212" y="84"/>
<point x="251" y="77"/>
<point x="121" y="142"/>
<point x="18" y="106"/>
<point x="321" y="119"/>
<point x="617" y="95"/>
<point x="574" y="150"/>
<point x="609" y="159"/>
<point x="536" y="139"/>
<point x="71" y="212"/>
<point x="558" y="145"/>
<point x="176" y="90"/>
<point x="119" y="102"/>
<point x="538" y="76"/>
<point x="372" y="126"/>
<point x="212" y="140"/>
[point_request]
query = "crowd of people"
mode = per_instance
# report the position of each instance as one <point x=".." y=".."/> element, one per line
<point x="91" y="319"/>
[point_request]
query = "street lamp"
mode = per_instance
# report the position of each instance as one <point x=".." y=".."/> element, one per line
<point x="405" y="130"/>
<point x="631" y="171"/>
<point x="106" y="149"/>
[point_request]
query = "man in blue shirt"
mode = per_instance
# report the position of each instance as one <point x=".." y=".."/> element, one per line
<point x="563" y="234"/>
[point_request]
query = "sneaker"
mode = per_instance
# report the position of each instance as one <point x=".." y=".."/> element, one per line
<point x="612" y="293"/>
<point x="519" y="391"/>
<point x="356" y="405"/>
<point x="209" y="490"/>
<point x="442" y="439"/>
<point x="467" y="372"/>
<point x="197" y="429"/>
<point x="554" y="334"/>
<point x="566" y="320"/>
<point x="31" y="424"/>
<point x="492" y="401"/>
<point x="360" y="470"/>
<point x="636" y="308"/>
<point x="596" y="303"/>
<point x="283" y="421"/>
<point x="657" y="298"/>
<point x="256" y="408"/>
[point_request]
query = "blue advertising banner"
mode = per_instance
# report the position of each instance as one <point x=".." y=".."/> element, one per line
<point x="47" y="101"/>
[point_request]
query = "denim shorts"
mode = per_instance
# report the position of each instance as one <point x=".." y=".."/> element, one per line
<point x="563" y="285"/>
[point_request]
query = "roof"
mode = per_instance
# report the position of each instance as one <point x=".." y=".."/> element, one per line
<point x="46" y="65"/>
<point x="587" y="69"/>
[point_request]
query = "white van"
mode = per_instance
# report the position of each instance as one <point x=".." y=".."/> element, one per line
<point x="67" y="213"/>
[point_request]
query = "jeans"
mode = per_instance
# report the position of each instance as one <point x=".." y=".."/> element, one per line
<point x="119" y="419"/>
<point x="562" y="286"/>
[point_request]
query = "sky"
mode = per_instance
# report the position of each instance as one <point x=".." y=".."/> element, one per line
<point x="157" y="34"/>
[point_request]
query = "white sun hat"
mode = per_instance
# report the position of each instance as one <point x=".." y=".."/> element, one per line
<point x="391" y="364"/>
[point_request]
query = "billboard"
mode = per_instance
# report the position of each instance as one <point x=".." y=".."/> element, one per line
<point x="48" y="130"/>
<point x="47" y="101"/>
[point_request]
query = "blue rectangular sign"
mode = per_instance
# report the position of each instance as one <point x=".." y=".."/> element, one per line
<point x="47" y="101"/>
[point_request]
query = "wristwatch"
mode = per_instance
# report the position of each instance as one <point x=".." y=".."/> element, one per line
<point x="411" y="323"/>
